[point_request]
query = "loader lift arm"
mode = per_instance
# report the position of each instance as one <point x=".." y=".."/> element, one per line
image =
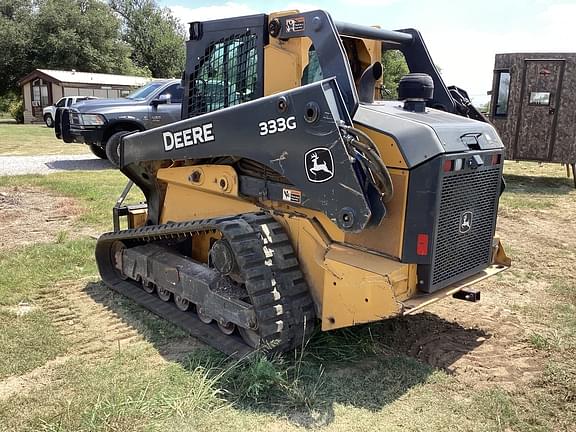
<point x="313" y="120"/>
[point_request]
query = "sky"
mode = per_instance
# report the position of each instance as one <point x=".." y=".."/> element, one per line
<point x="462" y="36"/>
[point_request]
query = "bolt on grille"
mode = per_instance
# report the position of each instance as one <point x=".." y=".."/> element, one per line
<point x="457" y="254"/>
<point x="226" y="75"/>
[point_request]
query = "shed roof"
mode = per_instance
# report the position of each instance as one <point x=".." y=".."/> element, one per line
<point x="62" y="76"/>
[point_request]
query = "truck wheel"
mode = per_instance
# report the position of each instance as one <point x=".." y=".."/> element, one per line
<point x="113" y="147"/>
<point x="98" y="151"/>
<point x="49" y="120"/>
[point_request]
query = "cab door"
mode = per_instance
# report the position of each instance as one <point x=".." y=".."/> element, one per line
<point x="540" y="102"/>
<point x="168" y="110"/>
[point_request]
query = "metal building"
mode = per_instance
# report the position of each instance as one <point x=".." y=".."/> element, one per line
<point x="43" y="87"/>
<point x="533" y="106"/>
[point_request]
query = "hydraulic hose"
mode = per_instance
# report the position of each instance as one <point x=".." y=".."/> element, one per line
<point x="364" y="145"/>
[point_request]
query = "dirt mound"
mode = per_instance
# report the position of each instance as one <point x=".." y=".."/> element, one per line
<point x="33" y="215"/>
<point x="488" y="347"/>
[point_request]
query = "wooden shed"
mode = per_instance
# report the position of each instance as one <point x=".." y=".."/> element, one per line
<point x="533" y="106"/>
<point x="43" y="87"/>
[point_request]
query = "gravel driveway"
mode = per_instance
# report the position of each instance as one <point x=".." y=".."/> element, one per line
<point x="17" y="165"/>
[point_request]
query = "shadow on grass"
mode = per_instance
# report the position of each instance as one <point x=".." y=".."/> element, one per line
<point x="368" y="366"/>
<point x="80" y="165"/>
<point x="530" y="185"/>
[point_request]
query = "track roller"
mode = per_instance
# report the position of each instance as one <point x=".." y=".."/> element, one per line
<point x="181" y="303"/>
<point x="164" y="294"/>
<point x="251" y="337"/>
<point x="202" y="316"/>
<point x="227" y="328"/>
<point x="148" y="286"/>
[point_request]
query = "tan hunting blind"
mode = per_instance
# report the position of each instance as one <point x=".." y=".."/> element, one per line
<point x="534" y="106"/>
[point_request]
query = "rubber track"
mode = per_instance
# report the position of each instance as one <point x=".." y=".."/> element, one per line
<point x="282" y="303"/>
<point x="297" y="303"/>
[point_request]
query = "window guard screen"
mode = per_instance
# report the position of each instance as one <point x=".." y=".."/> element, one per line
<point x="226" y="75"/>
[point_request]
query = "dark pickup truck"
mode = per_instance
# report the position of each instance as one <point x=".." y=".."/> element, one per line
<point x="101" y="123"/>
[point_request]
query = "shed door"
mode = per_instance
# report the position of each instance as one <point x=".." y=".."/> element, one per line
<point x="541" y="89"/>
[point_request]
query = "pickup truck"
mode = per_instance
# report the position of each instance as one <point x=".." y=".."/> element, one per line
<point x="49" y="112"/>
<point x="101" y="123"/>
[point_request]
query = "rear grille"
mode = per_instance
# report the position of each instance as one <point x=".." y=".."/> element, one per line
<point x="458" y="254"/>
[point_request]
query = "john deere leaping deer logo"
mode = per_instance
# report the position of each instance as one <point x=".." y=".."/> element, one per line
<point x="466" y="222"/>
<point x="319" y="165"/>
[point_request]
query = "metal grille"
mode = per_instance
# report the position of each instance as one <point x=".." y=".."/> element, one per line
<point x="459" y="254"/>
<point x="226" y="75"/>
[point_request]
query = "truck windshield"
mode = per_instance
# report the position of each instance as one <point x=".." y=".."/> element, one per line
<point x="143" y="92"/>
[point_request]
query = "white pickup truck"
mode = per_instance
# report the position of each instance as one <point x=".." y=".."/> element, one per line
<point x="49" y="112"/>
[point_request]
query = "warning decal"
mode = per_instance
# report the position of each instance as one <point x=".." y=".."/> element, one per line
<point x="291" y="195"/>
<point x="295" y="24"/>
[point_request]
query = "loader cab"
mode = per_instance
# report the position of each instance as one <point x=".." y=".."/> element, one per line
<point x="237" y="60"/>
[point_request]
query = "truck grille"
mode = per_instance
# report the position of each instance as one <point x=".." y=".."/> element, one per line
<point x="465" y="194"/>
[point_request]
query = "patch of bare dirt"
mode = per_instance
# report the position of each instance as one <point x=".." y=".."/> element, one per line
<point x="36" y="378"/>
<point x="33" y="215"/>
<point x="85" y="315"/>
<point x="90" y="326"/>
<point x="92" y="330"/>
<point x="481" y="343"/>
<point x="497" y="352"/>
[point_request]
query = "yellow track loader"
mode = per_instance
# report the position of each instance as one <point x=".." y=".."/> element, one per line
<point x="291" y="196"/>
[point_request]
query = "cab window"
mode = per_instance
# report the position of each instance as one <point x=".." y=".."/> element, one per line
<point x="227" y="75"/>
<point x="69" y="102"/>
<point x="175" y="91"/>
<point x="61" y="103"/>
<point x="313" y="71"/>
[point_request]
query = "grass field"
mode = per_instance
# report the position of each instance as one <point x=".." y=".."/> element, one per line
<point x="77" y="357"/>
<point x="24" y="140"/>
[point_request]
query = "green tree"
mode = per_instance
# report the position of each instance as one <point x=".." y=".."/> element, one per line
<point x="60" y="34"/>
<point x="155" y="35"/>
<point x="79" y="34"/>
<point x="15" y="34"/>
<point x="394" y="67"/>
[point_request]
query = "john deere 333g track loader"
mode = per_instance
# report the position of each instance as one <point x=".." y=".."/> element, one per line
<point x="290" y="195"/>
